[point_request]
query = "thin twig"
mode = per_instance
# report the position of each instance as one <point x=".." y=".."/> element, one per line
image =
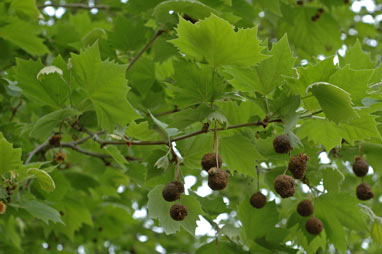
<point x="312" y="114"/>
<point x="15" y="109"/>
<point x="146" y="47"/>
<point x="37" y="149"/>
<point x="74" y="6"/>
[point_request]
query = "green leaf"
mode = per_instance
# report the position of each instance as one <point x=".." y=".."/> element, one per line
<point x="75" y="214"/>
<point x="357" y="58"/>
<point x="41" y="211"/>
<point x="234" y="147"/>
<point x="10" y="157"/>
<point x="221" y="248"/>
<point x="311" y="74"/>
<point x="184" y="118"/>
<point x="333" y="179"/>
<point x="117" y="156"/>
<point x="271" y="5"/>
<point x="192" y="8"/>
<point x="160" y="209"/>
<point x="263" y="220"/>
<point x="25" y="8"/>
<point x="194" y="210"/>
<point x="105" y="86"/>
<point x="142" y="75"/>
<point x="268" y="74"/>
<point x="50" y="90"/>
<point x="355" y="82"/>
<point x="46" y="182"/>
<point x="195" y="84"/>
<point x="360" y="128"/>
<point x="140" y="131"/>
<point x="334" y="101"/>
<point x="127" y="34"/>
<point x="162" y="162"/>
<point x="320" y="131"/>
<point x="376" y="232"/>
<point x="24" y="35"/>
<point x="44" y="126"/>
<point x="307" y="36"/>
<point x="215" y="40"/>
<point x="331" y="211"/>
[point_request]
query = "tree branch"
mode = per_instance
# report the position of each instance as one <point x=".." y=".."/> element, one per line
<point x="74" y="6"/>
<point x="39" y="148"/>
<point x="146" y="47"/>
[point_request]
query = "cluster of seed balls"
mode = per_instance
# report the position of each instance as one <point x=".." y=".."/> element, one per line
<point x="217" y="180"/>
<point x="284" y="185"/>
<point x="360" y="169"/>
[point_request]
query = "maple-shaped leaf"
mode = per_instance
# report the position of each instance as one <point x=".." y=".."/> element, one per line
<point x="24" y="35"/>
<point x="354" y="82"/>
<point x="10" y="158"/>
<point x="310" y="74"/>
<point x="105" y="86"/>
<point x="216" y="41"/>
<point x="268" y="74"/>
<point x="357" y="58"/>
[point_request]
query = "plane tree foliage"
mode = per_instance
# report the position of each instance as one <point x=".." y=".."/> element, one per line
<point x="102" y="103"/>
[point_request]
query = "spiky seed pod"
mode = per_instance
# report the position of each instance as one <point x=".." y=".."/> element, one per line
<point x="55" y="140"/>
<point x="284" y="186"/>
<point x="60" y="157"/>
<point x="281" y="144"/>
<point x="178" y="212"/>
<point x="314" y="226"/>
<point x="360" y="166"/>
<point x="179" y="185"/>
<point x="209" y="161"/>
<point x="297" y="165"/>
<point x="305" y="208"/>
<point x="217" y="178"/>
<point x="3" y="207"/>
<point x="258" y="200"/>
<point x="364" y="191"/>
<point x="172" y="191"/>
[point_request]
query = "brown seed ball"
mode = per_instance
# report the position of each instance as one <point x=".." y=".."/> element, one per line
<point x="314" y="226"/>
<point x="178" y="212"/>
<point x="360" y="167"/>
<point x="305" y="208"/>
<point x="209" y="161"/>
<point x="217" y="178"/>
<point x="55" y="140"/>
<point x="284" y="186"/>
<point x="258" y="200"/>
<point x="59" y="157"/>
<point x="364" y="192"/>
<point x="3" y="207"/>
<point x="281" y="144"/>
<point x="297" y="165"/>
<point x="172" y="191"/>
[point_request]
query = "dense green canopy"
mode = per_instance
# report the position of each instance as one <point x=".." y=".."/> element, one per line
<point x="103" y="103"/>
